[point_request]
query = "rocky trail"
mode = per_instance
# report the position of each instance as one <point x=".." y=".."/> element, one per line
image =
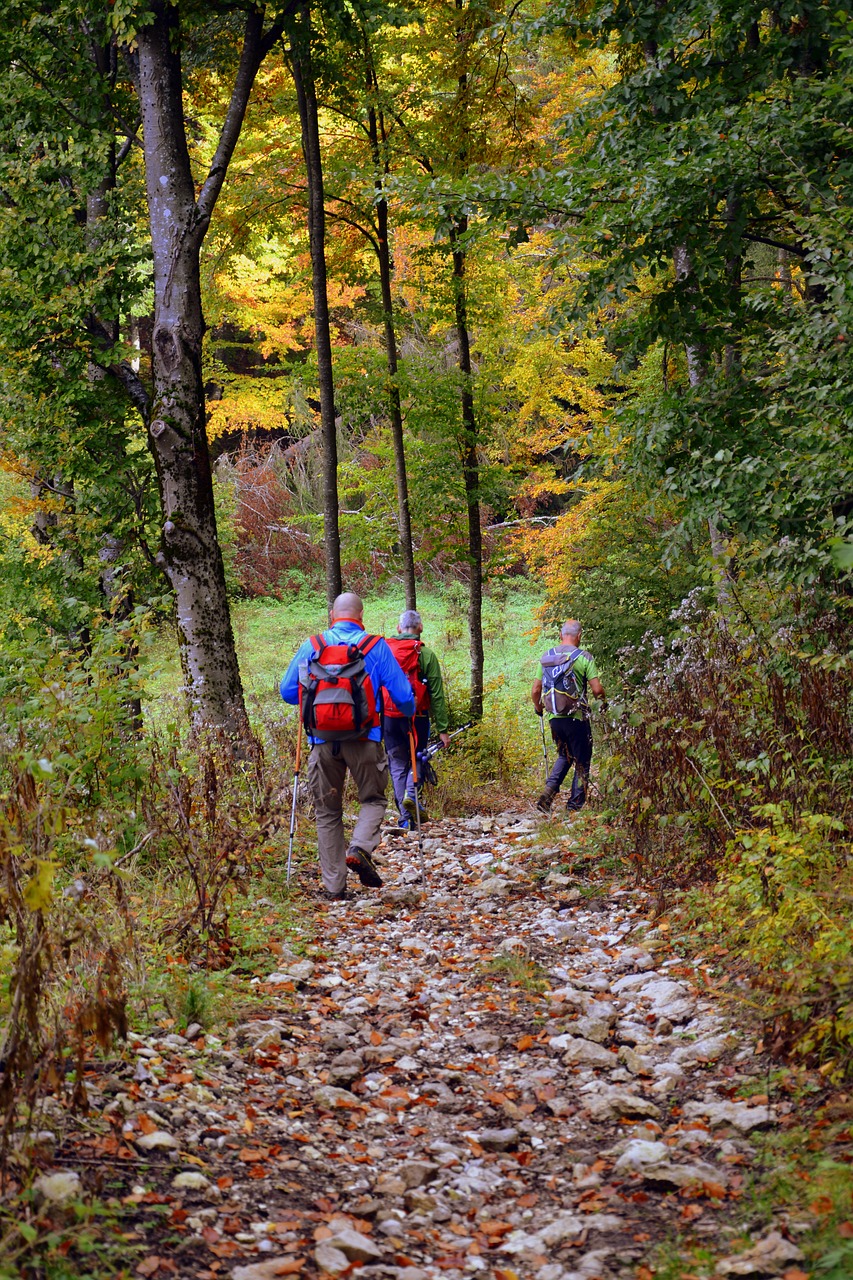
<point x="496" y="1075"/>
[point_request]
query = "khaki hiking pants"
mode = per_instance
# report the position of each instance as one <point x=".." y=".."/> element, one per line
<point x="327" y="770"/>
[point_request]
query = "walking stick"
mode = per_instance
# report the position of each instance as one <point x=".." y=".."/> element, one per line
<point x="417" y="800"/>
<point x="293" y="801"/>
<point x="544" y="748"/>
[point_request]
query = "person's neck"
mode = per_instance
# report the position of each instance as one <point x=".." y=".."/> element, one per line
<point x="357" y="621"/>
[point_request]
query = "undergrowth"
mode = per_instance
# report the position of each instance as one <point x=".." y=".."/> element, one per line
<point x="731" y="777"/>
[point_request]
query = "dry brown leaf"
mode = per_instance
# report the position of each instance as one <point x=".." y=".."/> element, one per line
<point x="148" y="1265"/>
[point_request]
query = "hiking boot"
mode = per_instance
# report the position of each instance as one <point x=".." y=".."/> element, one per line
<point x="362" y="864"/>
<point x="411" y="805"/>
<point x="544" y="802"/>
<point x="343" y="896"/>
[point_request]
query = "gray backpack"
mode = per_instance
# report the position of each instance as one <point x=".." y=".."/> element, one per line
<point x="562" y="693"/>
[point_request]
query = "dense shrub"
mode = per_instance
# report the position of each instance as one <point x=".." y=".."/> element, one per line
<point x="733" y="758"/>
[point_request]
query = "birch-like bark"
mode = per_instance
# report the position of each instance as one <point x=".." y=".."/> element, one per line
<point x="302" y="70"/>
<point x="190" y="555"/>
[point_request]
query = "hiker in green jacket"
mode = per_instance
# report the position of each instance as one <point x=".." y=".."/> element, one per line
<point x="569" y="675"/>
<point x="422" y="668"/>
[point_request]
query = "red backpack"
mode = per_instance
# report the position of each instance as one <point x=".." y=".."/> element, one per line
<point x="337" y="696"/>
<point x="407" y="651"/>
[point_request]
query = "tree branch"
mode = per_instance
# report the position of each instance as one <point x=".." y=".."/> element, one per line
<point x="256" y="45"/>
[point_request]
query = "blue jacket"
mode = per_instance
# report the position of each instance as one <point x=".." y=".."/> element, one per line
<point x="382" y="667"/>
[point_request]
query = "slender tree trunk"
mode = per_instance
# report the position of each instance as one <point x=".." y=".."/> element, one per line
<point x="470" y="471"/>
<point x="697" y="355"/>
<point x="697" y="369"/>
<point x="190" y="555"/>
<point x="470" y="434"/>
<point x="732" y="363"/>
<point x="404" y="520"/>
<point x="302" y="70"/>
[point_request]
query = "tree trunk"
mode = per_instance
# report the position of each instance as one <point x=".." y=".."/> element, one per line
<point x="302" y="70"/>
<point x="697" y="368"/>
<point x="470" y="471"/>
<point x="732" y="362"/>
<point x="404" y="520"/>
<point x="697" y="355"/>
<point x="190" y="555"/>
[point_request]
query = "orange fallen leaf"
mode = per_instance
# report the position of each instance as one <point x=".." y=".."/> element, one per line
<point x="795" y="1274"/>
<point x="145" y="1123"/>
<point x="846" y="1230"/>
<point x="250" y="1155"/>
<point x="375" y="1038"/>
<point x="524" y="1043"/>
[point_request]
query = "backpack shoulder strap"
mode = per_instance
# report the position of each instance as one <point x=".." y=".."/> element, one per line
<point x="366" y="643"/>
<point x="318" y="643"/>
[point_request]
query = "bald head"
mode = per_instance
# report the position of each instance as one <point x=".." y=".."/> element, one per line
<point x="347" y="605"/>
<point x="571" y="631"/>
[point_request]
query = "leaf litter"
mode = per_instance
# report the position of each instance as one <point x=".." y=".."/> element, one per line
<point x="486" y="1075"/>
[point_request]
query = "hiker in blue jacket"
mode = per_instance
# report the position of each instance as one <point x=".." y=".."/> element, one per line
<point x="364" y="756"/>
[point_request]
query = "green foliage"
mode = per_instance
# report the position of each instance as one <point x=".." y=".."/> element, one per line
<point x="785" y="894"/>
<point x="715" y="184"/>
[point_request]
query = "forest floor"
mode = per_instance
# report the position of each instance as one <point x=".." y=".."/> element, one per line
<point x="505" y="1072"/>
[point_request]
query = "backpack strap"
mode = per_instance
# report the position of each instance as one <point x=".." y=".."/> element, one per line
<point x="318" y="643"/>
<point x="366" y="643"/>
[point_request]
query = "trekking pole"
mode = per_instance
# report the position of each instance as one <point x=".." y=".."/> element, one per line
<point x="544" y="748"/>
<point x="293" y="801"/>
<point x="417" y="800"/>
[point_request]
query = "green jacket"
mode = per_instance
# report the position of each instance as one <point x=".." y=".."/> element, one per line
<point x="430" y="670"/>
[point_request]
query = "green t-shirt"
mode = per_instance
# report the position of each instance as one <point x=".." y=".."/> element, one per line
<point x="584" y="670"/>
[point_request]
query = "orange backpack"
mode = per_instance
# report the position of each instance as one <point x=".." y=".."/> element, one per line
<point x="407" y="651"/>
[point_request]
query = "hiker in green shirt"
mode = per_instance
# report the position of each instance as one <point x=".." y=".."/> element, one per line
<point x="568" y="674"/>
<point x="424" y="674"/>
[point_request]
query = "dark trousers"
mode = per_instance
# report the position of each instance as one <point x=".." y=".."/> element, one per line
<point x="396" y="735"/>
<point x="574" y="747"/>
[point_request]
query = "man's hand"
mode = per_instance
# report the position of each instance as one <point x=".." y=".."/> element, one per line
<point x="444" y="738"/>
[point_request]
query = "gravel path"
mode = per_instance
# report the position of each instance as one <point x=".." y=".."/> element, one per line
<point x="500" y="1076"/>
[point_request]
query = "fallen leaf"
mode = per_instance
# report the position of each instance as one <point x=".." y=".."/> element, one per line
<point x="148" y="1265"/>
<point x="524" y="1043"/>
<point x="145" y="1123"/>
<point x="251" y="1155"/>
